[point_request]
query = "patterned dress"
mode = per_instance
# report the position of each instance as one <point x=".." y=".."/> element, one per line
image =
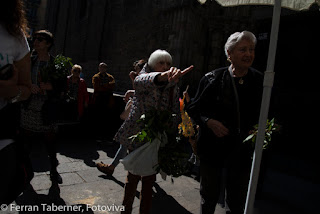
<point x="147" y="95"/>
<point x="31" y="110"/>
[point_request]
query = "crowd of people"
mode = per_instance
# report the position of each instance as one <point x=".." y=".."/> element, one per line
<point x="35" y="98"/>
<point x="224" y="110"/>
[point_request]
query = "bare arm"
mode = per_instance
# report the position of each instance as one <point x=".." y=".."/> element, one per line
<point x="20" y="81"/>
<point x="24" y="78"/>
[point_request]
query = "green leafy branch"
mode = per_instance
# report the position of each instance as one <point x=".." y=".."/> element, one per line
<point x="56" y="70"/>
<point x="271" y="127"/>
<point x="62" y="65"/>
<point x="154" y="122"/>
<point x="172" y="156"/>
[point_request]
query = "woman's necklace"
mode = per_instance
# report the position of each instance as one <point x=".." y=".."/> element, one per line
<point x="241" y="81"/>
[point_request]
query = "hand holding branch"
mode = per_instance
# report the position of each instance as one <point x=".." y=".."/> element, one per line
<point x="218" y="128"/>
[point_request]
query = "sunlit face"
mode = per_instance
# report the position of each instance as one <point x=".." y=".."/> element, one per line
<point x="162" y="66"/>
<point x="242" y="55"/>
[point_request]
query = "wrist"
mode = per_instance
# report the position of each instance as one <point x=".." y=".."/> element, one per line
<point x="161" y="77"/>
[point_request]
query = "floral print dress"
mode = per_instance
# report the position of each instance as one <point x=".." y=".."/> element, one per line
<point x="148" y="95"/>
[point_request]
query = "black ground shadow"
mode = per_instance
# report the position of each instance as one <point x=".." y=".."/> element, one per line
<point x="161" y="201"/>
<point x="110" y="148"/>
<point x="118" y="182"/>
<point x="164" y="203"/>
<point x="78" y="149"/>
<point x="75" y="145"/>
<point x="111" y="178"/>
<point x="42" y="203"/>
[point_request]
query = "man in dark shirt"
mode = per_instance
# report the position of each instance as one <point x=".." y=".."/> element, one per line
<point x="103" y="101"/>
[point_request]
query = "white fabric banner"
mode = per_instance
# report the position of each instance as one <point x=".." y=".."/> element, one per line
<point x="291" y="4"/>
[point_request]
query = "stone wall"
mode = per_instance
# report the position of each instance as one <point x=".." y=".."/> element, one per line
<point x="120" y="32"/>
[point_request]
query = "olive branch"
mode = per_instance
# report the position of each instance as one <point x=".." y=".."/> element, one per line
<point x="271" y="127"/>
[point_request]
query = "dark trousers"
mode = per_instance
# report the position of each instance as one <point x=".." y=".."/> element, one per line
<point x="145" y="194"/>
<point x="16" y="172"/>
<point x="49" y="138"/>
<point x="103" y="113"/>
<point x="8" y="167"/>
<point x="235" y="179"/>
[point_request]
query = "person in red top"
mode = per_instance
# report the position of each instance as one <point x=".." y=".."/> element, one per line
<point x="77" y="90"/>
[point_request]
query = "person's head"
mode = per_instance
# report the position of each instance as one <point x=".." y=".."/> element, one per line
<point x="42" y="40"/>
<point x="240" y="49"/>
<point x="138" y="65"/>
<point x="103" y="67"/>
<point x="13" y="18"/>
<point x="76" y="70"/>
<point x="160" y="60"/>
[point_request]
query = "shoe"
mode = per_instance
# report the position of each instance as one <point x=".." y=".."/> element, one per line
<point x="55" y="177"/>
<point x="105" y="168"/>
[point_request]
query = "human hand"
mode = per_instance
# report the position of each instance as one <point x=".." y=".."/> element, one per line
<point x="12" y="81"/>
<point x="133" y="75"/>
<point x="127" y="95"/>
<point x="187" y="96"/>
<point x="217" y="127"/>
<point x="174" y="74"/>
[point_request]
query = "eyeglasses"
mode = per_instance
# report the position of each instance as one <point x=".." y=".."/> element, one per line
<point x="40" y="39"/>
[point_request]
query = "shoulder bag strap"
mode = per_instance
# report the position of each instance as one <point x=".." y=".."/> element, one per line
<point x="237" y="99"/>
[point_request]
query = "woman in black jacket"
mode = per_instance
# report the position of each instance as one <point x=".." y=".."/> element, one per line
<point x="226" y="107"/>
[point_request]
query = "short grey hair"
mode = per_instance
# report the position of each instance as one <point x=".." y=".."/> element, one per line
<point x="236" y="37"/>
<point x="157" y="56"/>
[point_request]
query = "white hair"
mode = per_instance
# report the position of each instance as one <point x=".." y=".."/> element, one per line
<point x="236" y="37"/>
<point x="157" y="56"/>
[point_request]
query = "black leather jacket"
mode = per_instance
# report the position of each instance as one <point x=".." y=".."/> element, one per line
<point x="216" y="98"/>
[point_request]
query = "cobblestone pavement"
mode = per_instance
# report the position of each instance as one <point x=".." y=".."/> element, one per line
<point x="85" y="187"/>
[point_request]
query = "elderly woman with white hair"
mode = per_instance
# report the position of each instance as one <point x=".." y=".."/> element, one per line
<point x="226" y="107"/>
<point x="155" y="87"/>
